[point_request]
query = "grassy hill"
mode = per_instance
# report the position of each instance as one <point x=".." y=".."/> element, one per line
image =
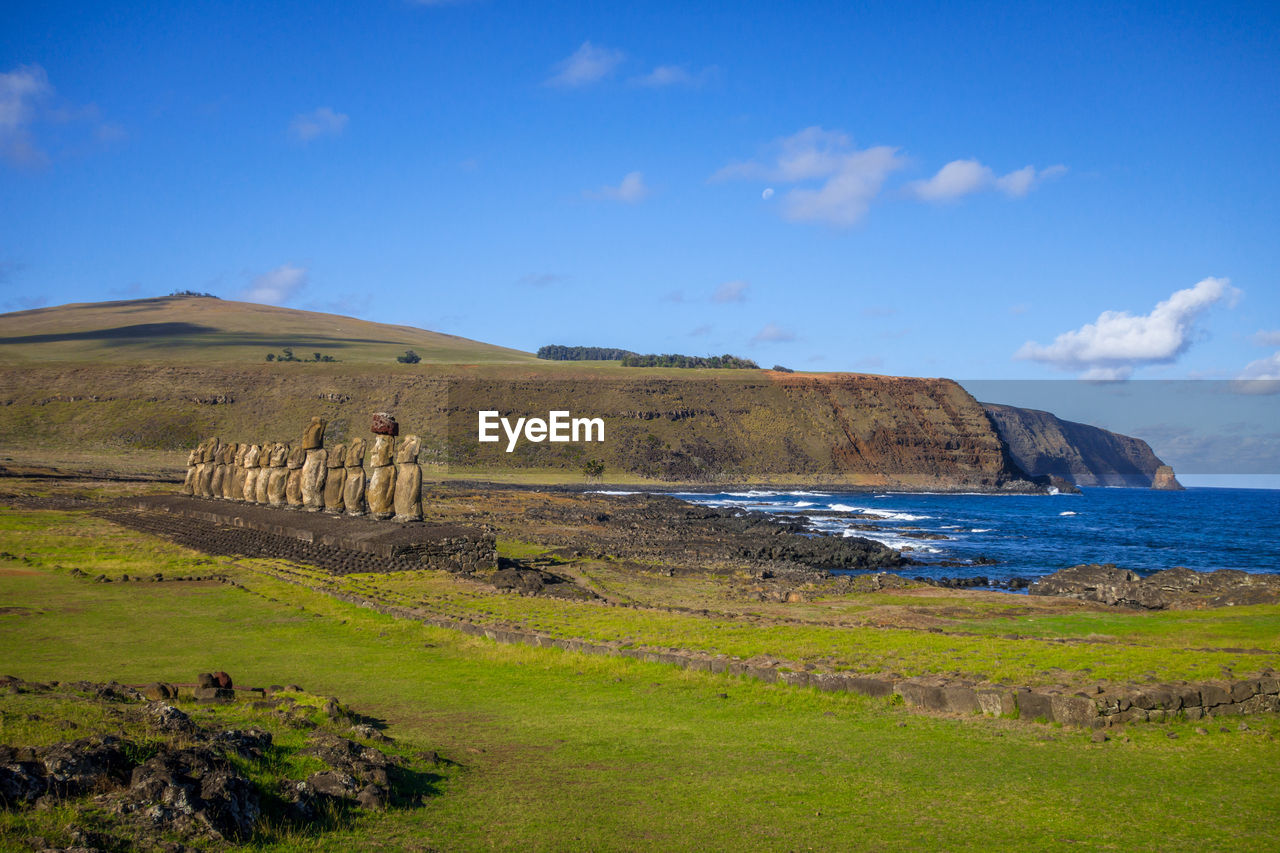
<point x="125" y="378"/>
<point x="183" y="329"/>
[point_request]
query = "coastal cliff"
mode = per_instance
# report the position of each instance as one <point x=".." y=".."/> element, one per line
<point x="1042" y="443"/>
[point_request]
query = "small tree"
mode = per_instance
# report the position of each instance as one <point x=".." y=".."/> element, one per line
<point x="409" y="357"/>
<point x="317" y="356"/>
<point x="288" y="354"/>
<point x="593" y="469"/>
<point x="271" y="356"/>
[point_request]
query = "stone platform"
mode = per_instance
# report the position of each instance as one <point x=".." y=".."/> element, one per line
<point x="336" y="543"/>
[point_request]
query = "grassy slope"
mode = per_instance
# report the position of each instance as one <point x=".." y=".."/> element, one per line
<point x="566" y="752"/>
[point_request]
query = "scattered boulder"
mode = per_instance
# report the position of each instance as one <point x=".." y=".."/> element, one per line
<point x="193" y="789"/>
<point x="1177" y="588"/>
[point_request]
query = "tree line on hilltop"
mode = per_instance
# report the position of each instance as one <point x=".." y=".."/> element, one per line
<point x="558" y="352"/>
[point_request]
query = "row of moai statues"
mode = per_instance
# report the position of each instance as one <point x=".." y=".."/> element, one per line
<point x="313" y="478"/>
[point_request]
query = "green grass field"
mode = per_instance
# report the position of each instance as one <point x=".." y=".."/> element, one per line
<point x="559" y="751"/>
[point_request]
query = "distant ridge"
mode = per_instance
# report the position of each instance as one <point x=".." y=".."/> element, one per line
<point x="187" y="328"/>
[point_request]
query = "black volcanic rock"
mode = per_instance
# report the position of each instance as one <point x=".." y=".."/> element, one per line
<point x="1172" y="588"/>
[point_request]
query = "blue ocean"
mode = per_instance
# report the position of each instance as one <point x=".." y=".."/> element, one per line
<point x="1002" y="537"/>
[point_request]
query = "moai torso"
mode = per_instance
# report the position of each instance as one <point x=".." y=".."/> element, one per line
<point x="408" y="489"/>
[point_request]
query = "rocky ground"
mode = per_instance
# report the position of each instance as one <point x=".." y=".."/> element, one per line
<point x="1171" y="588"/>
<point x="158" y="767"/>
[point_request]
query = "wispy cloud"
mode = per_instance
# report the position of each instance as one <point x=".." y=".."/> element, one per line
<point x="960" y="178"/>
<point x="542" y="279"/>
<point x="835" y="182"/>
<point x="1266" y="337"/>
<point x="700" y="331"/>
<point x="28" y="99"/>
<point x="663" y="76"/>
<point x="631" y="190"/>
<point x="586" y="65"/>
<point x="1117" y="342"/>
<point x="773" y="334"/>
<point x="277" y="286"/>
<point x="730" y="291"/>
<point x="322" y="121"/>
<point x="21" y="91"/>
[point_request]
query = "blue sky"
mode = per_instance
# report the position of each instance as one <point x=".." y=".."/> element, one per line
<point x="925" y="189"/>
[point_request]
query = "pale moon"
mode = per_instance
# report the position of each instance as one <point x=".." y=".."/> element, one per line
<point x="767" y="194"/>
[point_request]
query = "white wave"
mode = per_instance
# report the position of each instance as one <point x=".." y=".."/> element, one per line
<point x="801" y="504"/>
<point x="809" y="494"/>
<point x="979" y="529"/>
<point x="1068" y="512"/>
<point x="891" y="541"/>
<point x="608" y="492"/>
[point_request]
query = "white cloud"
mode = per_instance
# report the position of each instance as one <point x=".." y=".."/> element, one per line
<point x="631" y="190"/>
<point x="730" y="291"/>
<point x="1266" y="338"/>
<point x="277" y="286"/>
<point x="1263" y="368"/>
<point x="675" y="75"/>
<point x="20" y="91"/>
<point x="588" y="64"/>
<point x="847" y="179"/>
<point x="960" y="178"/>
<point x="773" y="334"/>
<point x="320" y="122"/>
<point x="1117" y="342"/>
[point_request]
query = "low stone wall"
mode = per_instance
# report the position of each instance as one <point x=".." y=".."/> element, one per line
<point x="1106" y="707"/>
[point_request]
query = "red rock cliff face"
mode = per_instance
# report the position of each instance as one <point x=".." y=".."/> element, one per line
<point x="726" y="426"/>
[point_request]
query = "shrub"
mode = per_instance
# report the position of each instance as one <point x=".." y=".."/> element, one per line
<point x="409" y="357"/>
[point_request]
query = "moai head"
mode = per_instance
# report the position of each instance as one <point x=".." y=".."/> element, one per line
<point x="337" y="456"/>
<point x="194" y="457"/>
<point x="408" y="450"/>
<point x="241" y="451"/>
<point x="251" y="456"/>
<point x="384" y="423"/>
<point x="264" y="458"/>
<point x="279" y="455"/>
<point x="355" y="454"/>
<point x="211" y="448"/>
<point x="297" y="457"/>
<point x="381" y="454"/>
<point x="229" y="453"/>
<point x="313" y="436"/>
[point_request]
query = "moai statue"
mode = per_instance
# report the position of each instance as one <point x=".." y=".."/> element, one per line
<point x="408" y="495"/>
<point x="263" y="485"/>
<point x="219" y="470"/>
<point x="279" y="481"/>
<point x="382" y="479"/>
<point x="353" y="480"/>
<point x="207" y="463"/>
<point x="235" y="489"/>
<point x="250" y="488"/>
<point x="314" y="468"/>
<point x="193" y="459"/>
<point x="293" y="480"/>
<point x="335" y="480"/>
<point x="228" y="471"/>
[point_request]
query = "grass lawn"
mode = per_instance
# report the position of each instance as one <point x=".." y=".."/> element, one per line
<point x="559" y="751"/>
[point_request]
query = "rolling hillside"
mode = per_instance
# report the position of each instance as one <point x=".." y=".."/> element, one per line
<point x="117" y="379"/>
<point x="204" y="330"/>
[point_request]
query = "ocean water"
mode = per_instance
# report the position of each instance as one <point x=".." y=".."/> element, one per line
<point x="1029" y="536"/>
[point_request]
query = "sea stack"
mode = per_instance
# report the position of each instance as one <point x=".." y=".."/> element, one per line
<point x="334" y="480"/>
<point x="408" y="489"/>
<point x="353" y="488"/>
<point x="1165" y="480"/>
